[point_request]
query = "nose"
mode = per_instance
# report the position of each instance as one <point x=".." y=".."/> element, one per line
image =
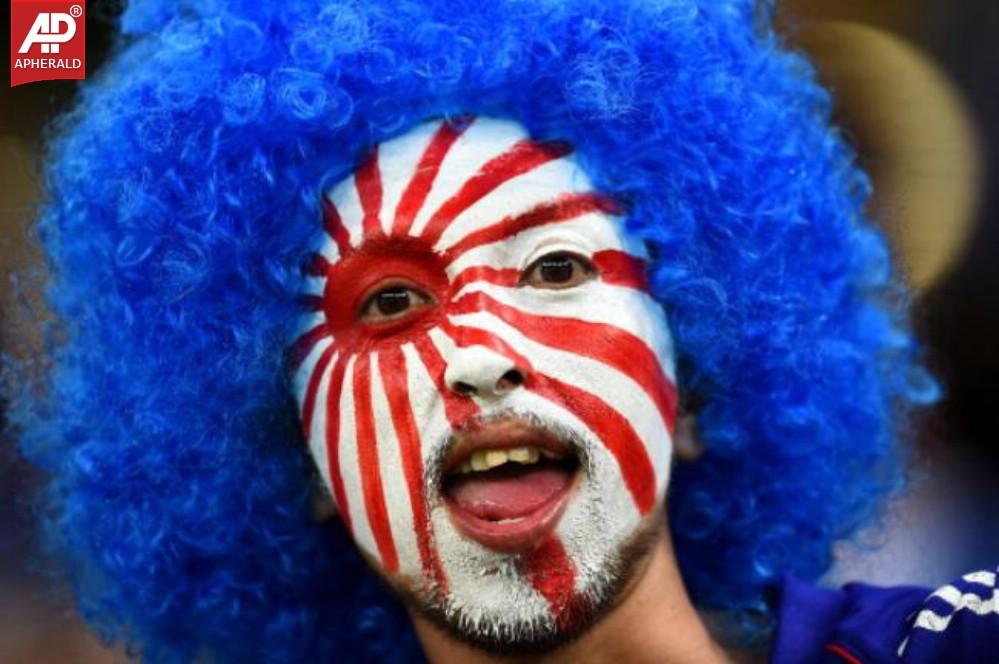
<point x="478" y="371"/>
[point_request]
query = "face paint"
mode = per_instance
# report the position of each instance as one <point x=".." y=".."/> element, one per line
<point x="485" y="383"/>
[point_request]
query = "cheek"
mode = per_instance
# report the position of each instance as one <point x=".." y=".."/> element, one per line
<point x="378" y="421"/>
<point x="598" y="356"/>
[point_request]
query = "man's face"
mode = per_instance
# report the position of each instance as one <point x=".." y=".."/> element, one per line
<point x="485" y="384"/>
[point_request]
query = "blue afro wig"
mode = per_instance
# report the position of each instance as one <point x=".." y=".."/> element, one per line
<point x="183" y="196"/>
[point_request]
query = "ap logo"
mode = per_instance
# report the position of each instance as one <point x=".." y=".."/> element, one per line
<point x="50" y="30"/>
<point x="47" y="40"/>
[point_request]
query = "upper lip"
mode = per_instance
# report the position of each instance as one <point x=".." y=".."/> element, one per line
<point x="502" y="434"/>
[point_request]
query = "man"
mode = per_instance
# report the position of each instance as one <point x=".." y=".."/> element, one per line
<point x="488" y="391"/>
<point x="545" y="245"/>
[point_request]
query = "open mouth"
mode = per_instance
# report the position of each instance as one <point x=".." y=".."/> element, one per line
<point x="506" y="484"/>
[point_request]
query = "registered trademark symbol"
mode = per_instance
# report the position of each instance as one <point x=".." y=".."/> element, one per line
<point x="76" y="11"/>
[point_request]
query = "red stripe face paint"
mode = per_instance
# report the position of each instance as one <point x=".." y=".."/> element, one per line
<point x="486" y="386"/>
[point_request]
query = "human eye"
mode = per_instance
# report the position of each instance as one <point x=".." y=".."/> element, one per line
<point x="558" y="270"/>
<point x="392" y="302"/>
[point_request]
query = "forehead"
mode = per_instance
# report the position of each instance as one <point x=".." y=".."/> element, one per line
<point x="444" y="182"/>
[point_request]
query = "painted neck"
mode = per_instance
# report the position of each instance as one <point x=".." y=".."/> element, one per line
<point x="655" y="622"/>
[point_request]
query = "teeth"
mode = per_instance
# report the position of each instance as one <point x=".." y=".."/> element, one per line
<point x="496" y="458"/>
<point x="520" y="455"/>
<point x="479" y="461"/>
<point x="486" y="459"/>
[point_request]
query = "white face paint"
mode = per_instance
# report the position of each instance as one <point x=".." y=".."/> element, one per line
<point x="485" y="383"/>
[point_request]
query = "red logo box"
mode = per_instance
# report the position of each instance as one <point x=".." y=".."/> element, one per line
<point x="48" y="41"/>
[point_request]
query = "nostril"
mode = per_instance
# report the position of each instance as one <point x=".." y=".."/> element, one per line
<point x="464" y="389"/>
<point x="510" y="380"/>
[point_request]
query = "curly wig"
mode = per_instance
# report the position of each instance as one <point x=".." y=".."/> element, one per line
<point x="183" y="195"/>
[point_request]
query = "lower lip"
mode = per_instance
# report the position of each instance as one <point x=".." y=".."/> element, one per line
<point x="512" y="535"/>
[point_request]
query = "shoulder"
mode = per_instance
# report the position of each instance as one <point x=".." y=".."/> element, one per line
<point x="958" y="622"/>
<point x="910" y="624"/>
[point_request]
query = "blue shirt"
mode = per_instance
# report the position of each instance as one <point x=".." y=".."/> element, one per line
<point x="859" y="623"/>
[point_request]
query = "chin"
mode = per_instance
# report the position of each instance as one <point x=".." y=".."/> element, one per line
<point x="488" y="628"/>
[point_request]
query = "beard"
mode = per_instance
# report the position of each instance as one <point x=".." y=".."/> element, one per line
<point x="513" y="635"/>
<point x="539" y="600"/>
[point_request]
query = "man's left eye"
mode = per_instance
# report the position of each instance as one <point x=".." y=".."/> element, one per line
<point x="558" y="270"/>
<point x="392" y="303"/>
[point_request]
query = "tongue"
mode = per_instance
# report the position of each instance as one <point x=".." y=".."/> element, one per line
<point x="508" y="492"/>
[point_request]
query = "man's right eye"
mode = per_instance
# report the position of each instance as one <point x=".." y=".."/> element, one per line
<point x="392" y="303"/>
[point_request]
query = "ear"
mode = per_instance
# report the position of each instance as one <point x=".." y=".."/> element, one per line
<point x="687" y="443"/>
<point x="323" y="507"/>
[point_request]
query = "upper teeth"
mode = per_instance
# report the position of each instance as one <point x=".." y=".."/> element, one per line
<point x="486" y="459"/>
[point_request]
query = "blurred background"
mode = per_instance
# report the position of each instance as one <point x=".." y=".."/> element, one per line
<point x="915" y="83"/>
